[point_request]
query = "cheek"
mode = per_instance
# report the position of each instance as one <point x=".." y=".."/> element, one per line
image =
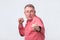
<point x="32" y="14"/>
<point x="26" y="14"/>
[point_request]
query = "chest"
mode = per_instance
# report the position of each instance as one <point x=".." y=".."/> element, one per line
<point x="28" y="27"/>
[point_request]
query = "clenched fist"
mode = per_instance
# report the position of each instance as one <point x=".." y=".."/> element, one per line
<point x="36" y="27"/>
<point x="20" y="20"/>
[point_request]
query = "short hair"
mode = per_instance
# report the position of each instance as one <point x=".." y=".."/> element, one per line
<point x="29" y="5"/>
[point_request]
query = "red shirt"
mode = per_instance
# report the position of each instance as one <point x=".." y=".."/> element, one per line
<point x="30" y="33"/>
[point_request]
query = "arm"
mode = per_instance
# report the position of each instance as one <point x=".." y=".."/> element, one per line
<point x="21" y="29"/>
<point x="20" y="26"/>
<point x="38" y="26"/>
<point x="41" y="25"/>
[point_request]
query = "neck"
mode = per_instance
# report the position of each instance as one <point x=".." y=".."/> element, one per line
<point x="32" y="18"/>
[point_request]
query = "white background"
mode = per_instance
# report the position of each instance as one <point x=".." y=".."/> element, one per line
<point x="11" y="10"/>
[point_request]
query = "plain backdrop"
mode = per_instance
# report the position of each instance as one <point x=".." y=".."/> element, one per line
<point x="11" y="10"/>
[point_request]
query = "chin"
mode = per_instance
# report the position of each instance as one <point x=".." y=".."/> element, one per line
<point x="29" y="19"/>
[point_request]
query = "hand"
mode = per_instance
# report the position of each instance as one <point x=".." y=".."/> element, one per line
<point x="36" y="27"/>
<point x="20" y="20"/>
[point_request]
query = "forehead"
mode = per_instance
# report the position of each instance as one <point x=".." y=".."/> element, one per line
<point x="28" y="8"/>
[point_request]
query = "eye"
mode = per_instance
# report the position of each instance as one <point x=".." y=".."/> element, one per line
<point x="29" y="11"/>
<point x="32" y="11"/>
<point x="26" y="11"/>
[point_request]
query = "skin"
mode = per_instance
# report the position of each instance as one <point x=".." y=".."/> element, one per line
<point x="29" y="13"/>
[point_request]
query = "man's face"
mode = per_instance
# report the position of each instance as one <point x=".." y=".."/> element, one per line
<point x="29" y="13"/>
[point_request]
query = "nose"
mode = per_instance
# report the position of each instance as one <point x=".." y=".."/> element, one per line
<point x="29" y="13"/>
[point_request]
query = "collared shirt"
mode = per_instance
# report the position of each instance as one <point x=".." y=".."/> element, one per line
<point x="29" y="32"/>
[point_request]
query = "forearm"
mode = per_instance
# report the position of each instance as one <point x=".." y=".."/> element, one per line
<point x="21" y="29"/>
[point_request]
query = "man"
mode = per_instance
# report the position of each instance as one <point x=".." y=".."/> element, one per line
<point x="34" y="28"/>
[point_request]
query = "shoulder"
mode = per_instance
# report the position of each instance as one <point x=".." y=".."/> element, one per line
<point x="36" y="18"/>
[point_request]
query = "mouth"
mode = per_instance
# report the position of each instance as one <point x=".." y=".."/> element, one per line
<point x="29" y="18"/>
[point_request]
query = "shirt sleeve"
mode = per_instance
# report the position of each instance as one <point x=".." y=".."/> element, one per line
<point x="41" y="25"/>
<point x="21" y="29"/>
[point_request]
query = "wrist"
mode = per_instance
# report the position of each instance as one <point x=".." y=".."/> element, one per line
<point x="38" y="29"/>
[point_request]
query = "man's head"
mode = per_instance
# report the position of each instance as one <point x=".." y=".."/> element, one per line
<point x="29" y="11"/>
